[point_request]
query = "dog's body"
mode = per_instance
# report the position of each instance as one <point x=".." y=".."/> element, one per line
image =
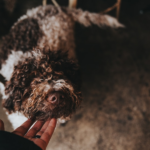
<point x="48" y="68"/>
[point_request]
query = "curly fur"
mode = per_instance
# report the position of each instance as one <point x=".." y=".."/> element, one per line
<point x="23" y="36"/>
<point x="40" y="73"/>
<point x="47" y="26"/>
<point x="36" y="77"/>
<point x="13" y="59"/>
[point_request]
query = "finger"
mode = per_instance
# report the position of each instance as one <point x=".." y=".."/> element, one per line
<point x="23" y="128"/>
<point x="49" y="131"/>
<point x="1" y="125"/>
<point x="32" y="132"/>
<point x="43" y="128"/>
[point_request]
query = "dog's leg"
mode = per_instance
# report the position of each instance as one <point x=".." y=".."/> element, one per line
<point x="118" y="8"/>
<point x="55" y="3"/>
<point x="72" y="3"/>
<point x="44" y="2"/>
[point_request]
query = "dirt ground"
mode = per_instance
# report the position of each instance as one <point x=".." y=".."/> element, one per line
<point x="115" y="64"/>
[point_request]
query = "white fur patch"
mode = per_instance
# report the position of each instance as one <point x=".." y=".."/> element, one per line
<point x="113" y="22"/>
<point x="16" y="119"/>
<point x="2" y="89"/>
<point x="13" y="59"/>
<point x="58" y="84"/>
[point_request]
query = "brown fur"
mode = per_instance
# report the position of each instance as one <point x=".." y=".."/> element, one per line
<point x="27" y="87"/>
<point x="23" y="36"/>
<point x="46" y="28"/>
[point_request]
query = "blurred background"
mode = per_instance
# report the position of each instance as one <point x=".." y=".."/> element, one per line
<point x="115" y="65"/>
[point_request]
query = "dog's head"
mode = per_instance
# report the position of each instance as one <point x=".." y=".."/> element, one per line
<point x="43" y="86"/>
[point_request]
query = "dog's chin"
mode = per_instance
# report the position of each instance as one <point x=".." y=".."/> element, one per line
<point x="50" y="100"/>
<point x="58" y="104"/>
<point x="50" y="108"/>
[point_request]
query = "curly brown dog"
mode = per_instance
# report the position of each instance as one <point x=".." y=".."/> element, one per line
<point x="38" y="61"/>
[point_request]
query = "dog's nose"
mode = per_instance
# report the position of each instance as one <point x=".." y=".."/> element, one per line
<point x="55" y="98"/>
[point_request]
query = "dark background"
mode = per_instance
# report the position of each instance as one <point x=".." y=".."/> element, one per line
<point x="115" y="64"/>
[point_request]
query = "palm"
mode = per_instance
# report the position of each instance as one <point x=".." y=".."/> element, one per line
<point x="40" y="128"/>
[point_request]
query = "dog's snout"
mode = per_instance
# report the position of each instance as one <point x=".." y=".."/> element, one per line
<point x="55" y="98"/>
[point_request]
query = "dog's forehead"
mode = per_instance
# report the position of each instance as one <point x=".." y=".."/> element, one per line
<point x="57" y="84"/>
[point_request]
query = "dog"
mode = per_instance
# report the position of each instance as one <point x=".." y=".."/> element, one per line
<point x="39" y="64"/>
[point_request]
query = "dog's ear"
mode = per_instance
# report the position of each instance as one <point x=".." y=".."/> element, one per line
<point x="9" y="104"/>
<point x="19" y="84"/>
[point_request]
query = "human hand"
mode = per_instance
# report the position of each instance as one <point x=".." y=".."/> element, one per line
<point x="41" y="128"/>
